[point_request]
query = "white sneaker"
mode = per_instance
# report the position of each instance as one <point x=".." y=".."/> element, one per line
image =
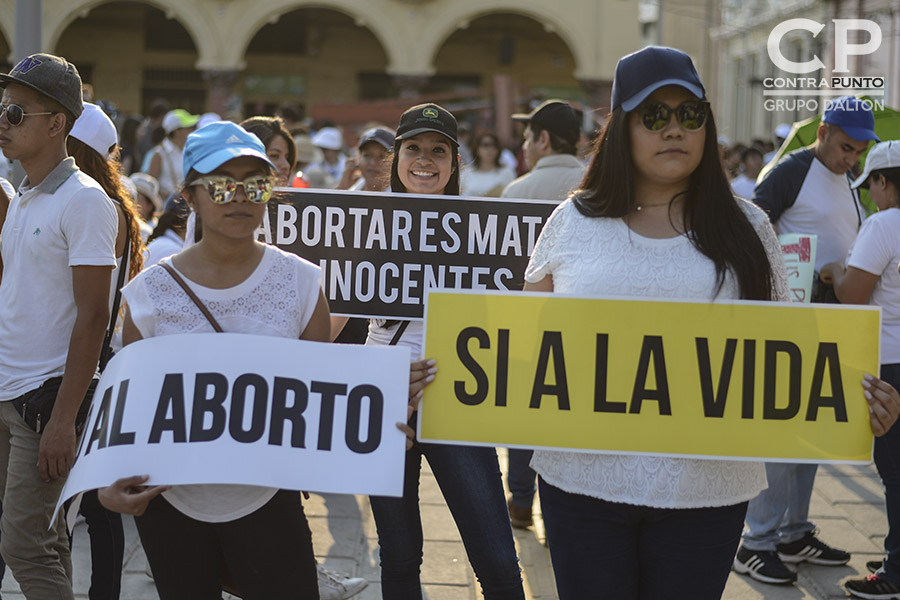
<point x="337" y="586"/>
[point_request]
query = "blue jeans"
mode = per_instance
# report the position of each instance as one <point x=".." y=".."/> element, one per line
<point x="780" y="514"/>
<point x="610" y="550"/>
<point x="887" y="460"/>
<point x="470" y="480"/>
<point x="521" y="477"/>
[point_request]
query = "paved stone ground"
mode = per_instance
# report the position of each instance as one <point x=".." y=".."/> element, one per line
<point x="847" y="505"/>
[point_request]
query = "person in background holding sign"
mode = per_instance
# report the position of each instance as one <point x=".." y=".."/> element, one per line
<point x="871" y="277"/>
<point x="655" y="218"/>
<point x="192" y="533"/>
<point x="58" y="251"/>
<point x="809" y="192"/>
<point x="426" y="161"/>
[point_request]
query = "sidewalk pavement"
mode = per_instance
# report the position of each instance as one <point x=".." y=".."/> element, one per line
<point x="847" y="505"/>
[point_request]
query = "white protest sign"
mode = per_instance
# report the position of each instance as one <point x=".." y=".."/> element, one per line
<point x="799" y="251"/>
<point x="246" y="409"/>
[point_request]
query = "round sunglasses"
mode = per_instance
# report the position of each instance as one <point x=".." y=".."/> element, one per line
<point x="222" y="188"/>
<point x="691" y="115"/>
<point x="15" y="114"/>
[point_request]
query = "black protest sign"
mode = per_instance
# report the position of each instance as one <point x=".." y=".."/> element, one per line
<point x="379" y="252"/>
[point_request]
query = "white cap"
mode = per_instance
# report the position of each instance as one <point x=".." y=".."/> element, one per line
<point x="783" y="130"/>
<point x="178" y="119"/>
<point x="329" y="138"/>
<point x="207" y="118"/>
<point x="148" y="186"/>
<point x="884" y="155"/>
<point x="95" y="129"/>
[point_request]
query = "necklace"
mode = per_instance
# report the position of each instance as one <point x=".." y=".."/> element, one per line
<point x="640" y="207"/>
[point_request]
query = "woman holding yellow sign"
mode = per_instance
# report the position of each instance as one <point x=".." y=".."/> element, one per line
<point x="655" y="219"/>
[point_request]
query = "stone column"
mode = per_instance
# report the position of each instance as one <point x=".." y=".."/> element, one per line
<point x="410" y="86"/>
<point x="220" y="90"/>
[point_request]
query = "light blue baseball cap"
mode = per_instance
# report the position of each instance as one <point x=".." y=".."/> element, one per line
<point x="215" y="144"/>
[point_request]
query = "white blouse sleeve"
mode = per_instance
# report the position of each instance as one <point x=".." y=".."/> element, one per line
<point x="543" y="258"/>
<point x="781" y="291"/>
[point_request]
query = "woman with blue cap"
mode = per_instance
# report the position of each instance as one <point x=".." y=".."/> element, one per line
<point x="655" y="218"/>
<point x="192" y="534"/>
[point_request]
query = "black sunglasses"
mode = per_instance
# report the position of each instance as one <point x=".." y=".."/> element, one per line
<point x="15" y="114"/>
<point x="691" y="115"/>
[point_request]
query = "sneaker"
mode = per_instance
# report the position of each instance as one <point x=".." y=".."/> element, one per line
<point x="519" y="517"/>
<point x="763" y="565"/>
<point x="873" y="587"/>
<point x="811" y="549"/>
<point x="874" y="565"/>
<point x="337" y="586"/>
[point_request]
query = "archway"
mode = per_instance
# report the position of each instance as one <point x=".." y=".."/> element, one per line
<point x="132" y="54"/>
<point x="312" y="55"/>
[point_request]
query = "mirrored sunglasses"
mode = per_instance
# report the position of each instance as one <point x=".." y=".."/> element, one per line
<point x="15" y="115"/>
<point x="691" y="115"/>
<point x="222" y="188"/>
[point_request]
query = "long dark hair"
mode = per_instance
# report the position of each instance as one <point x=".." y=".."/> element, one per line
<point x="106" y="172"/>
<point x="452" y="188"/>
<point x="490" y="135"/>
<point x="716" y="224"/>
<point x="266" y="128"/>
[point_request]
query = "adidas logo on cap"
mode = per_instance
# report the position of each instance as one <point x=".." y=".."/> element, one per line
<point x="234" y="140"/>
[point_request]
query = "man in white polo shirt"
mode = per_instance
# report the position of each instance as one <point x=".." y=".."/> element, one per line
<point x="57" y="245"/>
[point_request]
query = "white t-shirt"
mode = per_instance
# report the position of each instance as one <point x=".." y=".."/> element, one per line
<point x="826" y="207"/>
<point x="743" y="186"/>
<point x="603" y="257"/>
<point x="277" y="299"/>
<point x="474" y="182"/>
<point x="162" y="247"/>
<point x="877" y="251"/>
<point x="8" y="188"/>
<point x="171" y="173"/>
<point x="65" y="221"/>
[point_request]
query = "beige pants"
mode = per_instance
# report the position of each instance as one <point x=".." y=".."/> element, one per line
<point x="37" y="554"/>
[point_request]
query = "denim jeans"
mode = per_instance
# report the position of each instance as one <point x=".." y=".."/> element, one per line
<point x="470" y="480"/>
<point x="521" y="477"/>
<point x="780" y="514"/>
<point x="887" y="460"/>
<point x="617" y="551"/>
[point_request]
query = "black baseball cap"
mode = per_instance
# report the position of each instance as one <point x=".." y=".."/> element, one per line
<point x="52" y="76"/>
<point x="555" y="116"/>
<point x="379" y="135"/>
<point x="643" y="72"/>
<point x="427" y="117"/>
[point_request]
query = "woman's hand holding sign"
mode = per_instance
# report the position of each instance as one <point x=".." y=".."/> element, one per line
<point x="884" y="404"/>
<point x="421" y="373"/>
<point x="128" y="495"/>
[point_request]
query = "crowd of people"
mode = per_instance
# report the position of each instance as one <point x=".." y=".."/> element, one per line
<point x="118" y="234"/>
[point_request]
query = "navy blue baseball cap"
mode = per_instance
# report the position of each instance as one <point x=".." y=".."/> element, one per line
<point x="854" y="116"/>
<point x="640" y="74"/>
<point x="210" y="147"/>
<point x="380" y="135"/>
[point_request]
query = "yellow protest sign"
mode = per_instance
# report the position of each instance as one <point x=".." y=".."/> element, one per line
<point x="745" y="379"/>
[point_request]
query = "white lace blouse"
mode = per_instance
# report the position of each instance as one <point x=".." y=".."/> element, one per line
<point x="277" y="299"/>
<point x="603" y="257"/>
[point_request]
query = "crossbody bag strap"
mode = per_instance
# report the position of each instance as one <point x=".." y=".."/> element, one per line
<point x="399" y="333"/>
<point x="124" y="267"/>
<point x="192" y="296"/>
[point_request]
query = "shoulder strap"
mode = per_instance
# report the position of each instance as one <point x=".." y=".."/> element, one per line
<point x="192" y="296"/>
<point x="124" y="267"/>
<point x="399" y="333"/>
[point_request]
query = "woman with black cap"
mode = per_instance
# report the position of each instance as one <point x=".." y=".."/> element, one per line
<point x="426" y="161"/>
<point x="655" y="218"/>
